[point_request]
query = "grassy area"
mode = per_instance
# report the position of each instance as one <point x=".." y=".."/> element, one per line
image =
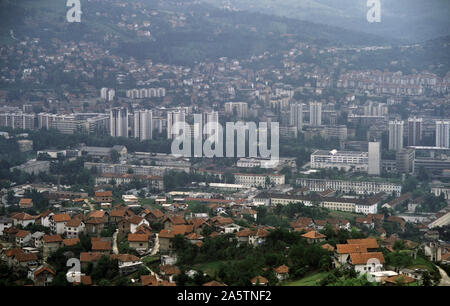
<point x="421" y="263"/>
<point x="149" y="203"/>
<point x="211" y="268"/>
<point x="343" y="215"/>
<point x="150" y="259"/>
<point x="310" y="280"/>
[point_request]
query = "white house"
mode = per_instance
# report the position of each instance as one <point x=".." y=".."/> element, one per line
<point x="22" y="219"/>
<point x="74" y="228"/>
<point x="4" y="224"/>
<point x="58" y="223"/>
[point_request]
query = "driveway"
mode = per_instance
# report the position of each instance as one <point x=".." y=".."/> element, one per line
<point x="445" y="280"/>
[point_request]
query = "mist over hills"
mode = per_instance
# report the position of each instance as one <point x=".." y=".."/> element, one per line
<point x="405" y="20"/>
<point x="181" y="32"/>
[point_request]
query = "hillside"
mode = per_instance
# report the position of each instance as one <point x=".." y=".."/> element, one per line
<point x="406" y="20"/>
<point x="180" y="32"/>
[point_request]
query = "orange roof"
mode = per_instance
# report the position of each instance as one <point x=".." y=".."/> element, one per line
<point x="42" y="269"/>
<point x="86" y="280"/>
<point x="24" y="257"/>
<point x="125" y="257"/>
<point x="149" y="280"/>
<point x="169" y="270"/>
<point x="282" y="269"/>
<point x="176" y="220"/>
<point x="213" y="284"/>
<point x="135" y="219"/>
<point x="22" y="216"/>
<point x="138" y="237"/>
<point x="61" y="217"/>
<point x="107" y="193"/>
<point x="97" y="214"/>
<point x="363" y="258"/>
<point x="243" y="233"/>
<point x="73" y="223"/>
<point x="351" y="248"/>
<point x="157" y="213"/>
<point x="370" y="243"/>
<point x="401" y="278"/>
<point x="90" y="256"/>
<point x="101" y="245"/>
<point x="71" y="241"/>
<point x="118" y="212"/>
<point x="13" y="252"/>
<point x="52" y="238"/>
<point x="22" y="234"/>
<point x="313" y="235"/>
<point x="25" y="201"/>
<point x="259" y="280"/>
<point x="328" y="247"/>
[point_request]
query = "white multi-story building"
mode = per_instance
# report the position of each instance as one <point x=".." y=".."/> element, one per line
<point x="261" y="180"/>
<point x="342" y="160"/>
<point x="143" y="124"/>
<point x="172" y="118"/>
<point x="315" y="113"/>
<point x="396" y="135"/>
<point x="443" y="133"/>
<point x="213" y="128"/>
<point x="240" y="109"/>
<point x="374" y="167"/>
<point x="359" y="187"/>
<point x="18" y="120"/>
<point x="296" y="116"/>
<point x="119" y="122"/>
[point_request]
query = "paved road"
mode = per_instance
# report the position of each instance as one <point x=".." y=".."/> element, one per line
<point x="156" y="247"/>
<point x="445" y="280"/>
<point x="115" y="248"/>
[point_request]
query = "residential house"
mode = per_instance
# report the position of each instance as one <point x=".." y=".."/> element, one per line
<point x="74" y="228"/>
<point x="70" y="242"/>
<point x="370" y="243"/>
<point x="168" y="272"/>
<point x="89" y="257"/>
<point x="5" y="222"/>
<point x="170" y="221"/>
<point x="51" y="244"/>
<point x="127" y="263"/>
<point x="153" y="215"/>
<point x="314" y="237"/>
<point x="58" y="223"/>
<point x="42" y="276"/>
<point x="37" y="239"/>
<point x="139" y="241"/>
<point x="22" y="219"/>
<point x="9" y="234"/>
<point x="259" y="281"/>
<point x="243" y="236"/>
<point x="23" y="238"/>
<point x="165" y="237"/>
<point x="101" y="246"/>
<point x="343" y="251"/>
<point x="282" y="272"/>
<point x="231" y="228"/>
<point x="44" y="218"/>
<point x="257" y="237"/>
<point x="367" y="262"/>
<point x="120" y="214"/>
<point x="26" y="260"/>
<point x="103" y="196"/>
<point x="26" y="203"/>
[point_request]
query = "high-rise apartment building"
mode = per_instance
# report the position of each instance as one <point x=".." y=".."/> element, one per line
<point x="119" y="122"/>
<point x="396" y="135"/>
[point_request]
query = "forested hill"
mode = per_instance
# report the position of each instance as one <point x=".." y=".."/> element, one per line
<point x="179" y="32"/>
